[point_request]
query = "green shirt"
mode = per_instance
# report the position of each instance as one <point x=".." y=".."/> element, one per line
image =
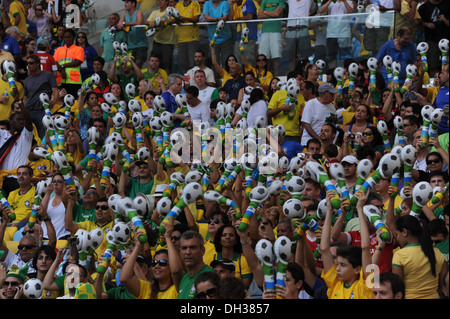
<point x="106" y="42"/>
<point x="80" y="214"/>
<point x="187" y="288"/>
<point x="135" y="186"/>
<point x="443" y="248"/>
<point x="270" y="6"/>
<point x="119" y="293"/>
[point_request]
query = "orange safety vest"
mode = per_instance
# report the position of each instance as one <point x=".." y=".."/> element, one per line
<point x="65" y="55"/>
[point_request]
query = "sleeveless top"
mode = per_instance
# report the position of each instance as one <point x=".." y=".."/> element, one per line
<point x="136" y="36"/>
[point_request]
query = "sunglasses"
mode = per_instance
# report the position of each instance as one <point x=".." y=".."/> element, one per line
<point x="215" y="220"/>
<point x="211" y="292"/>
<point x="81" y="37"/>
<point x="367" y="134"/>
<point x="161" y="263"/>
<point x="31" y="231"/>
<point x="433" y="161"/>
<point x="58" y="182"/>
<point x="11" y="284"/>
<point x="101" y="207"/>
<point x="177" y="237"/>
<point x="262" y="60"/>
<point x="91" y="192"/>
<point x="27" y="247"/>
<point x="31" y="62"/>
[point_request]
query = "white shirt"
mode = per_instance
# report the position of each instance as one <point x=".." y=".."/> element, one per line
<point x="205" y="94"/>
<point x="199" y="112"/>
<point x="57" y="215"/>
<point x="208" y="72"/>
<point x="19" y="152"/>
<point x="315" y="114"/>
<point x="298" y="9"/>
<point x="256" y="109"/>
<point x="338" y="27"/>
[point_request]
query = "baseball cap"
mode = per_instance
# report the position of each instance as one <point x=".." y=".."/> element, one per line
<point x="225" y="263"/>
<point x="327" y="87"/>
<point x="43" y="42"/>
<point x="159" y="190"/>
<point x="350" y="159"/>
<point x="140" y="162"/>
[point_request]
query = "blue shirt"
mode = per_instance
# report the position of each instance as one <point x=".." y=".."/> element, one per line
<point x="291" y="148"/>
<point x="10" y="45"/>
<point x="439" y="102"/>
<point x="249" y="7"/>
<point x="171" y="105"/>
<point x="219" y="12"/>
<point x="407" y="55"/>
<point x="233" y="86"/>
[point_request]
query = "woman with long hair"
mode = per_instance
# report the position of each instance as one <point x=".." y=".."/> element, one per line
<point x="29" y="48"/>
<point x="363" y="118"/>
<point x="261" y="71"/>
<point x="228" y="245"/>
<point x="371" y="137"/>
<point x="136" y="282"/>
<point x="85" y="105"/>
<point x="55" y="206"/>
<point x="422" y="266"/>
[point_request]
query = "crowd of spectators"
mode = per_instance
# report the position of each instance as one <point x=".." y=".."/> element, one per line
<point x="191" y="167"/>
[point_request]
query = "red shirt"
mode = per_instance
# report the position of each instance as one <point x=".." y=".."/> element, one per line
<point x="385" y="262"/>
<point x="48" y="62"/>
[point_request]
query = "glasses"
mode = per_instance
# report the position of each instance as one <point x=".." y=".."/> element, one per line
<point x="31" y="62"/>
<point x="367" y="134"/>
<point x="27" y="247"/>
<point x="91" y="192"/>
<point x="81" y="37"/>
<point x="161" y="263"/>
<point x="215" y="220"/>
<point x="31" y="231"/>
<point x="11" y="284"/>
<point x="37" y="9"/>
<point x="262" y="60"/>
<point x="101" y="207"/>
<point x="211" y="292"/>
<point x="433" y="161"/>
<point x="177" y="237"/>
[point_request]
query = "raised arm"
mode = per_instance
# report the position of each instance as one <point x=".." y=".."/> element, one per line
<point x="364" y="230"/>
<point x="327" y="257"/>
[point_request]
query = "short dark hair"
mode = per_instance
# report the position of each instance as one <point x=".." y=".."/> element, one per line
<point x="397" y="283"/>
<point x="437" y="227"/>
<point x="192" y="90"/>
<point x="412" y="120"/>
<point x="313" y="141"/>
<point x="99" y="59"/>
<point x="351" y="253"/>
<point x="28" y="167"/>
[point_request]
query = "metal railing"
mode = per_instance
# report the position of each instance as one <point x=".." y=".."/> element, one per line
<point x="363" y="27"/>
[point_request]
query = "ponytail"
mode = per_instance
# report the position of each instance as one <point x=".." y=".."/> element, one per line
<point x="413" y="226"/>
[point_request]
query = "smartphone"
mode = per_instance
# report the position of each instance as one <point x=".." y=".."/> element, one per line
<point x="317" y="156"/>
